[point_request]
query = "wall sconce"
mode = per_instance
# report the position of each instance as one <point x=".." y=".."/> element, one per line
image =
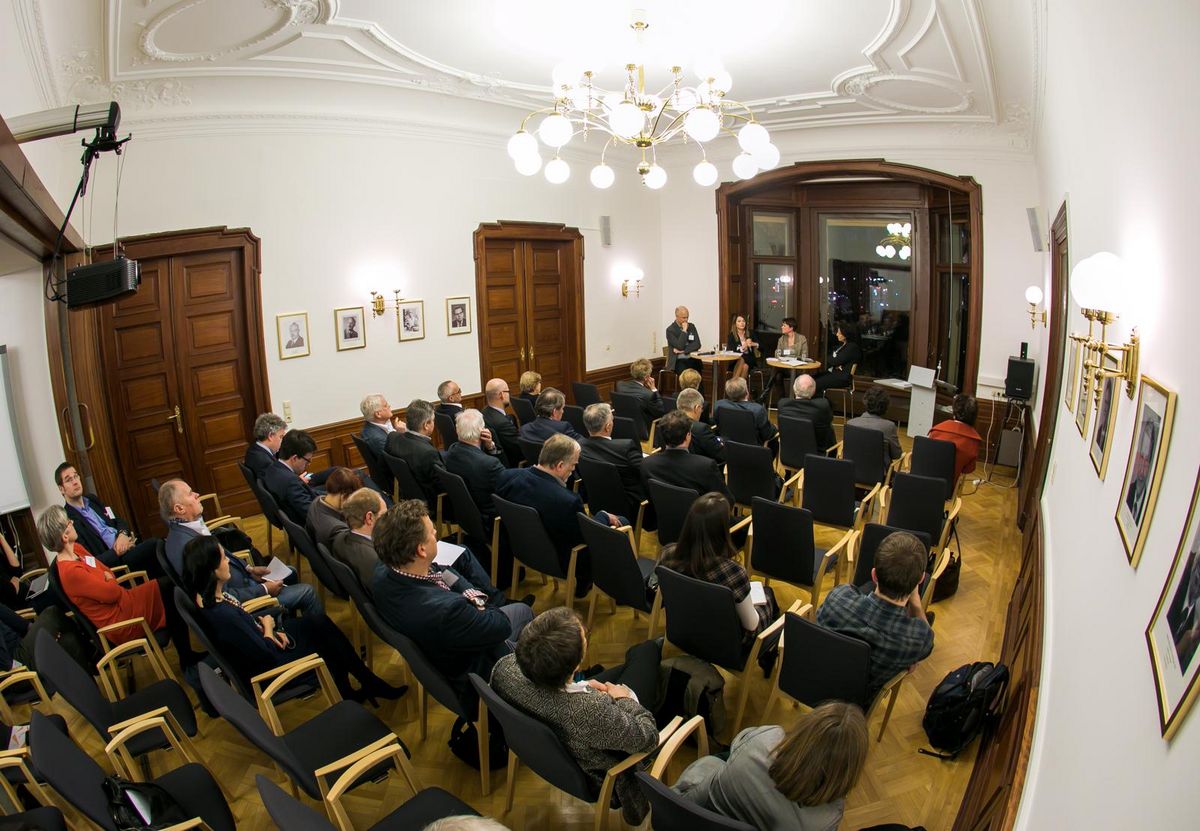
<point x="631" y="279"/>
<point x="379" y="305"/>
<point x="1097" y="285"/>
<point x="1033" y="295"/>
<point x="631" y="286"/>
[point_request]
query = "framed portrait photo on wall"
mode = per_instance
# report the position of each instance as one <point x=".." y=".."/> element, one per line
<point x="1152" y="424"/>
<point x="1173" y="633"/>
<point x="1083" y="390"/>
<point x="458" y="315"/>
<point x="411" y="319"/>
<point x="1071" y="388"/>
<point x="1102" y="430"/>
<point x="348" y="325"/>
<point x="292" y="331"/>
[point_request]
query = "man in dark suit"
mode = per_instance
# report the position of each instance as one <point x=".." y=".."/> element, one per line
<point x="476" y="459"/>
<point x="624" y="454"/>
<point x="549" y="411"/>
<point x="268" y="433"/>
<point x="640" y="385"/>
<point x="104" y="534"/>
<point x="677" y="466"/>
<point x="362" y="510"/>
<point x="449" y="399"/>
<point x="455" y="624"/>
<point x="180" y="508"/>
<point x="817" y="410"/>
<point x="415" y="446"/>
<point x="286" y="480"/>
<point x="704" y="441"/>
<point x="682" y="341"/>
<point x="378" y="424"/>
<point x="737" y="396"/>
<point x="502" y="426"/>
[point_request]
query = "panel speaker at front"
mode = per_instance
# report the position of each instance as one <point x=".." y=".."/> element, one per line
<point x="1018" y="384"/>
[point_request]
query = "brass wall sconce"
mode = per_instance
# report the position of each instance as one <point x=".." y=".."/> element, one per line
<point x="1033" y="296"/>
<point x="631" y="286"/>
<point x="379" y="305"/>
<point x="1097" y="284"/>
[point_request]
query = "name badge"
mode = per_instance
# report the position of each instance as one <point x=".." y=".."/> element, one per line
<point x="691" y="336"/>
<point x="109" y="513"/>
<point x="90" y="560"/>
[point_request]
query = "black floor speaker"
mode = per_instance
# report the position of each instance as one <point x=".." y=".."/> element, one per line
<point x="1019" y="382"/>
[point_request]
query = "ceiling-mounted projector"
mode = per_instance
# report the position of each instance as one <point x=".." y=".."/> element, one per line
<point x="91" y="285"/>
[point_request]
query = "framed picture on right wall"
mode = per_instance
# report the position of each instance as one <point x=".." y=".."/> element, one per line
<point x="1153" y="420"/>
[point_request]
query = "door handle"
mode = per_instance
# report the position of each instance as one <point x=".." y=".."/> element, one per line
<point x="177" y="418"/>
<point x="522" y="348"/>
<point x="90" y="441"/>
<point x="531" y="356"/>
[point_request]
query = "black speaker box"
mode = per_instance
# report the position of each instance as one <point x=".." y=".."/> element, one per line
<point x="1019" y="383"/>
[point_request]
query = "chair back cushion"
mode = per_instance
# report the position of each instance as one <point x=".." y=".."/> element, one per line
<point x="573" y="415"/>
<point x="266" y="502"/>
<point x="375" y="466"/>
<point x="872" y="535"/>
<point x="189" y="613"/>
<point x="628" y="406"/>
<point x="864" y="447"/>
<point x="751" y="471"/>
<point x="585" y="395"/>
<point x="530" y="542"/>
<point x="434" y="682"/>
<point x="603" y="487"/>
<point x="466" y="512"/>
<point x="670" y="811"/>
<point x="625" y="428"/>
<point x="445" y="429"/>
<point x="523" y="409"/>
<point x="69" y="770"/>
<point x="797" y="438"/>
<point x="917" y="503"/>
<point x="61" y="672"/>
<point x="735" y="424"/>
<point x="288" y="812"/>
<point x="303" y="543"/>
<point x="530" y="450"/>
<point x="409" y="487"/>
<point x="671" y="505"/>
<point x="614" y="564"/>
<point x="822" y="665"/>
<point x="937" y="458"/>
<point x="783" y="546"/>
<point x="702" y="619"/>
<point x="829" y="490"/>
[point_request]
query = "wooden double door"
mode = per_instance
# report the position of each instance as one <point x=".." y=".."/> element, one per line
<point x="529" y="290"/>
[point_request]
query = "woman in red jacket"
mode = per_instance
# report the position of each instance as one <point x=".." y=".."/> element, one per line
<point x="961" y="431"/>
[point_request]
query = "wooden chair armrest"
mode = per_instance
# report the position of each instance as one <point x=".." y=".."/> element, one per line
<point x="188" y="825"/>
<point x="216" y="500"/>
<point x="130" y="576"/>
<point x="243" y="555"/>
<point x="844" y="542"/>
<point x="362" y="760"/>
<point x="675" y="740"/>
<point x="741" y="523"/>
<point x="575" y="485"/>
<point x="160" y="712"/>
<point x="790" y="482"/>
<point x="17" y="759"/>
<point x="892" y="470"/>
<point x="280" y="677"/>
<point x="775" y="626"/>
<point x="123" y="760"/>
<point x="865" y="505"/>
<point x="259" y="603"/>
<point x="33" y="573"/>
<point x="119" y="569"/>
<point x="223" y="521"/>
<point x="20" y="676"/>
<point x="27" y="614"/>
<point x="108" y="660"/>
<point x="943" y="561"/>
<point x="837" y="447"/>
<point x="633" y="758"/>
<point x="125" y="624"/>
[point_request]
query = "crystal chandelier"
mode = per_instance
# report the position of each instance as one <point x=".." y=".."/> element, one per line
<point x="642" y="119"/>
<point x="898" y="241"/>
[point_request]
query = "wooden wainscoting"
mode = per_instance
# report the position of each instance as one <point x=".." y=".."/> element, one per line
<point x="607" y="377"/>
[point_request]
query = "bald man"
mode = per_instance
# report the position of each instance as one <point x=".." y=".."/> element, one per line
<point x="682" y="341"/>
<point x="500" y="423"/>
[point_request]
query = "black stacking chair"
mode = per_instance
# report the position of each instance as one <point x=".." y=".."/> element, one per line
<point x="445" y="429"/>
<point x="267" y="503"/>
<point x="80" y="781"/>
<point x="737" y="425"/>
<point x="585" y="395"/>
<point x="530" y="450"/>
<point x="302" y="543"/>
<point x="425" y="807"/>
<point x="160" y="553"/>
<point x="407" y="486"/>
<point x="829" y="492"/>
<point x="669" y="811"/>
<point x="797" y="438"/>
<point x="46" y="818"/>
<point x="483" y="541"/>
<point x="916" y="503"/>
<point x="376" y="468"/>
<point x="937" y="458"/>
<point x="629" y="406"/>
<point x="818" y="664"/>
<point x="782" y="547"/>
<point x="867" y="544"/>
<point x="573" y="415"/>
<point x="670" y="403"/>
<point x="523" y="409"/>
<point x="625" y="428"/>
<point x="606" y="492"/>
<point x="618" y="571"/>
<point x="532" y="546"/>
<point x="702" y="620"/>
<point x="671" y="506"/>
<point x="750" y="471"/>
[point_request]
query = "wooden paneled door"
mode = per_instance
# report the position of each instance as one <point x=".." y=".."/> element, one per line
<point x="528" y="279"/>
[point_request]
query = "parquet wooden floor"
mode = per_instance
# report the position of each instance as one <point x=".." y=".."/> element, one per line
<point x="899" y="785"/>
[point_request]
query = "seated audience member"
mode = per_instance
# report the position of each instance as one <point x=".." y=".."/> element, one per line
<point x="476" y="459"/>
<point x="601" y="720"/>
<point x="961" y="431"/>
<point x="13" y="592"/>
<point x="325" y="522"/>
<point x="415" y="446"/>
<point x="624" y="454"/>
<point x="502" y="425"/>
<point x="705" y="551"/>
<point x="257" y="643"/>
<point x="876" y="403"/>
<point x="549" y="412"/>
<point x="453" y="622"/>
<point x="677" y="465"/>
<point x="817" y="410"/>
<point x="465" y="822"/>
<point x="704" y="440"/>
<point x="737" y="397"/>
<point x="362" y="510"/>
<point x="531" y="386"/>
<point x="682" y="341"/>
<point x="378" y="422"/>
<point x="286" y="479"/>
<point x="449" y="399"/>
<point x="775" y="779"/>
<point x="845" y="356"/>
<point x="93" y="588"/>
<point x="180" y="508"/>
<point x="640" y="385"/>
<point x="543" y="487"/>
<point x="269" y="430"/>
<point x="890" y="619"/>
<point x="104" y="534"/>
<point x="690" y="379"/>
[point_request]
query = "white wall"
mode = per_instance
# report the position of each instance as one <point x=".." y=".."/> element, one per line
<point x="1118" y="137"/>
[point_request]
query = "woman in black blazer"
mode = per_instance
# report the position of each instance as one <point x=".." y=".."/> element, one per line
<point x="844" y="356"/>
<point x="739" y="340"/>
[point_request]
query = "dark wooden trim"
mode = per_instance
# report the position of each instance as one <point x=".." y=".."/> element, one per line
<point x="29" y="216"/>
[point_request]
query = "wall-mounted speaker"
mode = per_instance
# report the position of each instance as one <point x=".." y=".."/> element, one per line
<point x="1037" y="228"/>
<point x="1018" y="385"/>
<point x="606" y="230"/>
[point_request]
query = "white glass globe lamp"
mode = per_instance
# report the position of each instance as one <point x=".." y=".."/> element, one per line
<point x="744" y="166"/>
<point x="602" y="176"/>
<point x="626" y="120"/>
<point x="555" y="130"/>
<point x="529" y="165"/>
<point x="905" y="252"/>
<point x="753" y="136"/>
<point x="1033" y="295"/>
<point x="522" y="144"/>
<point x="702" y="124"/>
<point x="1098" y="282"/>
<point x="705" y="173"/>
<point x="880" y="251"/>
<point x="557" y="171"/>
<point x="655" y="177"/>
<point x="889" y="251"/>
<point x="766" y="157"/>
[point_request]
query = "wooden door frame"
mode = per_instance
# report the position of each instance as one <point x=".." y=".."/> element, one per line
<point x="87" y="353"/>
<point x="529" y="232"/>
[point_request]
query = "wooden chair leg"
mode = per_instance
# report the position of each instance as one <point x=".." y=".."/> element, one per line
<point x="591" y="615"/>
<point x="743" y="694"/>
<point x="510" y="788"/>
<point x="485" y="767"/>
<point x="423" y="710"/>
<point x="887" y="714"/>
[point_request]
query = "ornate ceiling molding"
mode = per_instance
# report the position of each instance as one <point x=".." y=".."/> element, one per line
<point x="33" y="42"/>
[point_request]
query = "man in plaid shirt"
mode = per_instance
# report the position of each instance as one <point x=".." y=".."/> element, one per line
<point x="890" y="619"/>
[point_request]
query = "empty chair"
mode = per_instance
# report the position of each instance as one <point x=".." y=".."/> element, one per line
<point x="671" y="505"/>
<point x="736" y="424"/>
<point x="606" y="492"/>
<point x="533" y="547"/>
<point x="846" y="394"/>
<point x="750" y="470"/>
<point x="80" y="781"/>
<point x="618" y="571"/>
<point x="867" y="544"/>
<point x="630" y="406"/>
<point x="445" y="429"/>
<point x="916" y="503"/>
<point x="671" y="812"/>
<point x="290" y="814"/>
<point x="936" y="458"/>
<point x="267" y="503"/>
<point x="530" y="450"/>
<point x="523" y="409"/>
<point x="625" y="428"/>
<point x="482" y="540"/>
<point x="585" y="395"/>
<point x="782" y="547"/>
<point x="797" y="438"/>
<point x="866" y="448"/>
<point x="830" y="494"/>
<point x="573" y="415"/>
<point x="377" y="469"/>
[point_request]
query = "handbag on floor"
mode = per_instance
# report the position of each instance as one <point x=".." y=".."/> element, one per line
<point x="141" y="806"/>
<point x="464" y="743"/>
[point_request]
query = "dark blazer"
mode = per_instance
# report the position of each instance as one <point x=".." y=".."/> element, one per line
<point x="504" y="434"/>
<point x="686" y="339"/>
<point x="89" y="537"/>
<point x="891" y="447"/>
<point x="324" y="524"/>
<point x="241" y="585"/>
<point x="649" y="400"/>
<point x="421" y="455"/>
<point x="452" y="410"/>
<point x="542" y="428"/>
<point x="707" y="443"/>
<point x="766" y="430"/>
<point x="685" y="470"/>
<point x="733" y="344"/>
<point x="530" y="397"/>
<point x="358" y="552"/>
<point x="817" y="410"/>
<point x="625" y="455"/>
<point x="844" y="356"/>
<point x="481" y="473"/>
<point x="258" y="459"/>
<point x="455" y="635"/>
<point x="291" y="492"/>
<point x="375" y="437"/>
<point x="556" y="504"/>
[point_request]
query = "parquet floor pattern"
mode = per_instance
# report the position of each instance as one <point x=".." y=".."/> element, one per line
<point x="898" y="785"/>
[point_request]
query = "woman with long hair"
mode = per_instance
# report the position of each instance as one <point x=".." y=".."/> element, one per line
<point x="739" y="340"/>
<point x="844" y="357"/>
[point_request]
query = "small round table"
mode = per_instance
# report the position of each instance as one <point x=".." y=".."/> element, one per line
<point x="782" y="363"/>
<point x="717" y="359"/>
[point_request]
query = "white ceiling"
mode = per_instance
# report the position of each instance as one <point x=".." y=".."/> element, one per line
<point x="798" y="63"/>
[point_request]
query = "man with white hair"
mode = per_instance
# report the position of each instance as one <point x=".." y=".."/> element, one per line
<point x="449" y="396"/>
<point x="704" y="441"/>
<point x="377" y="421"/>
<point x="476" y="459"/>
<point x="624" y="454"/>
<point x="737" y="397"/>
<point x="817" y="410"/>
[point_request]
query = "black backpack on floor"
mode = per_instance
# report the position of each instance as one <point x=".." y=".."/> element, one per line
<point x="962" y="704"/>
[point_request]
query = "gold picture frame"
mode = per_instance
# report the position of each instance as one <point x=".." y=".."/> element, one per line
<point x="1153" y="420"/>
<point x="291" y="332"/>
<point x="1083" y="393"/>
<point x="410" y="320"/>
<point x="349" y="328"/>
<point x="1102" y="429"/>
<point x="1173" y="633"/>
<point x="1071" y="387"/>
<point x="458" y="315"/>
